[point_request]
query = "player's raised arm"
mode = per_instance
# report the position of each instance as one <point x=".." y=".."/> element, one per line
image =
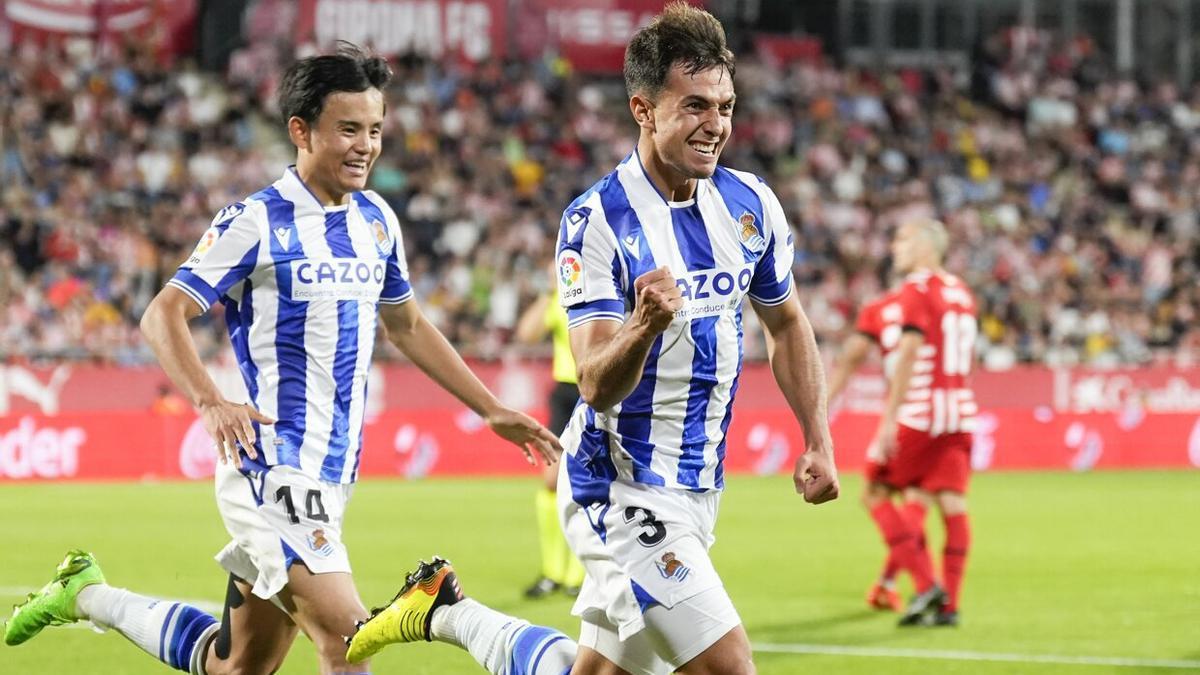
<point x="611" y="356"/>
<point x="421" y="341"/>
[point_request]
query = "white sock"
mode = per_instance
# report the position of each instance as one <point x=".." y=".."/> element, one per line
<point x="172" y="632"/>
<point x="497" y="640"/>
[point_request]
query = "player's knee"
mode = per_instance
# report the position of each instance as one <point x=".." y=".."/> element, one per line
<point x="876" y="493"/>
<point x="952" y="503"/>
<point x="918" y="495"/>
<point x="873" y="496"/>
<point x="730" y="656"/>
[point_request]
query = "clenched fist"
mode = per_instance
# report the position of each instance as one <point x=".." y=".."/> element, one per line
<point x="658" y="298"/>
<point x="816" y="477"/>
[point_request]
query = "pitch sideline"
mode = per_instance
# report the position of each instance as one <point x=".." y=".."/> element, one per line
<point x="964" y="655"/>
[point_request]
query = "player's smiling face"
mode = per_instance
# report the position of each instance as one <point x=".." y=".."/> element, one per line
<point x="340" y="149"/>
<point x="693" y="118"/>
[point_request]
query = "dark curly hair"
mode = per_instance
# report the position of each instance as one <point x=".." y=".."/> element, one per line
<point x="310" y="80"/>
<point x="683" y="35"/>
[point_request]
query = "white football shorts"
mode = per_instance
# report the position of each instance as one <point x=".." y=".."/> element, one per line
<point x="279" y="517"/>
<point x="652" y="600"/>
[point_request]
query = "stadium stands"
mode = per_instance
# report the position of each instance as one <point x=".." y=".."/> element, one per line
<point x="1071" y="195"/>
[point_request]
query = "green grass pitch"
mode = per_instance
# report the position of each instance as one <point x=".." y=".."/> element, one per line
<point x="1071" y="566"/>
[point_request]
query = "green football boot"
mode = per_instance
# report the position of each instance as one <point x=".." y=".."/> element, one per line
<point x="54" y="604"/>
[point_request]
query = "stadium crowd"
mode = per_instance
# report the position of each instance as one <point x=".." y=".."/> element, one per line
<point x="1071" y="195"/>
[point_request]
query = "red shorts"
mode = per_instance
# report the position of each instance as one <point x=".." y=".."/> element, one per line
<point x="875" y="472"/>
<point x="932" y="463"/>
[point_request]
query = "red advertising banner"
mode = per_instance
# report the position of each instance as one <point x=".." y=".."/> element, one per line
<point x="77" y="17"/>
<point x="590" y="34"/>
<point x="412" y="444"/>
<point x="88" y="423"/>
<point x="473" y="30"/>
<point x="44" y="21"/>
<point x="783" y="50"/>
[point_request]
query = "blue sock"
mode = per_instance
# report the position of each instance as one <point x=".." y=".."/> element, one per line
<point x="179" y="640"/>
<point x="538" y="650"/>
<point x="173" y="632"/>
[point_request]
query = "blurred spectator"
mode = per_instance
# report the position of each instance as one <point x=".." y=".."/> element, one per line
<point x="1071" y="195"/>
<point x="167" y="403"/>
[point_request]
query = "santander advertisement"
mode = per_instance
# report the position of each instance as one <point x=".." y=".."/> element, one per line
<point x="95" y="423"/>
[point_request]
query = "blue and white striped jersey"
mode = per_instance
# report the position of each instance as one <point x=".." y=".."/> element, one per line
<point x="730" y="241"/>
<point x="301" y="284"/>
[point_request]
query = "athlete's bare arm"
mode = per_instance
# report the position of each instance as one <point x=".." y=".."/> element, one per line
<point x="796" y="364"/>
<point x="531" y="327"/>
<point x="906" y="358"/>
<point x="854" y="352"/>
<point x="610" y="356"/>
<point x="165" y="327"/>
<point x="424" y="344"/>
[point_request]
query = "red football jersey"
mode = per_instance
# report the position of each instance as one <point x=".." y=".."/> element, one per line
<point x="942" y="308"/>
<point x="880" y="321"/>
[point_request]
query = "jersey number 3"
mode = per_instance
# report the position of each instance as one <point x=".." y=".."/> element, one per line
<point x="654" y="531"/>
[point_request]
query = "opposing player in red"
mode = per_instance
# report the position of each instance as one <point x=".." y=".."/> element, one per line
<point x="878" y="323"/>
<point x="925" y="430"/>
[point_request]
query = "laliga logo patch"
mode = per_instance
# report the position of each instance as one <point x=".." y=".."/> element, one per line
<point x="382" y="241"/>
<point x="751" y="239"/>
<point x="319" y="544"/>
<point x="671" y="567"/>
<point x="570" y="276"/>
<point x="206" y="242"/>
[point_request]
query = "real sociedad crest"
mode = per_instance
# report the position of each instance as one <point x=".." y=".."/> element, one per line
<point x="751" y="239"/>
<point x="319" y="544"/>
<point x="671" y="567"/>
<point x="382" y="241"/>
